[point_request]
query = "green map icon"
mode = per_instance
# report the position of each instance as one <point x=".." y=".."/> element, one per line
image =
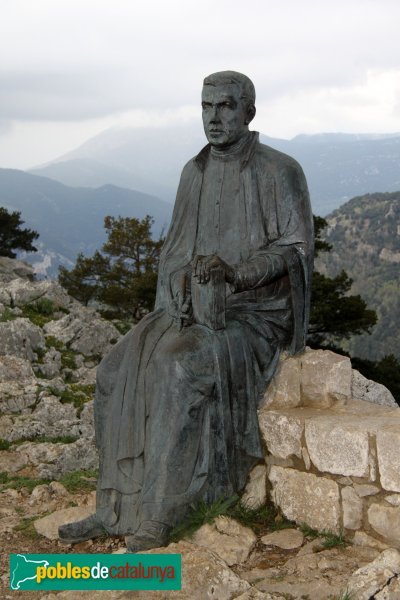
<point x="23" y="569"/>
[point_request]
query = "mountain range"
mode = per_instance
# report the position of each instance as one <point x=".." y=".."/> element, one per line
<point x="337" y="166"/>
<point x="66" y="200"/>
<point x="70" y="219"/>
<point x="365" y="238"/>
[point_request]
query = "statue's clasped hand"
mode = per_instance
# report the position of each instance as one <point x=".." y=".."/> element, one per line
<point x="202" y="265"/>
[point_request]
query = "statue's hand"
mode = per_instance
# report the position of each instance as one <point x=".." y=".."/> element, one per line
<point x="202" y="266"/>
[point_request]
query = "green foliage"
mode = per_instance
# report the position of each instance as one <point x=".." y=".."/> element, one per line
<point x="255" y="518"/>
<point x="121" y="279"/>
<point x="366" y="244"/>
<point x="40" y="439"/>
<point x="85" y="281"/>
<point x="12" y="237"/>
<point x="335" y="315"/>
<point x="330" y="539"/>
<point x="333" y="540"/>
<point x="199" y="514"/>
<point x="7" y="315"/>
<point x="309" y="532"/>
<point x="68" y="357"/>
<point x="76" y="394"/>
<point x="320" y="245"/>
<point x="122" y="326"/>
<point x="52" y="342"/>
<point x="26" y="527"/>
<point x="17" y="482"/>
<point x="345" y="595"/>
<point x="258" y="519"/>
<point x="39" y="312"/>
<point x="4" y="444"/>
<point x="80" y="481"/>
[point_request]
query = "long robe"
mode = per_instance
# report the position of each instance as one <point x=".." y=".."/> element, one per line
<point x="176" y="410"/>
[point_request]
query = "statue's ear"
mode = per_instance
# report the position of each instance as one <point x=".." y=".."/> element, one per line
<point x="251" y="113"/>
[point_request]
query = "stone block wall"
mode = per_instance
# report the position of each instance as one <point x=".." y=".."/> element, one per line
<point x="333" y="449"/>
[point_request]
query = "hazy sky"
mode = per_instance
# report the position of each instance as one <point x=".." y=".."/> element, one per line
<point x="71" y="68"/>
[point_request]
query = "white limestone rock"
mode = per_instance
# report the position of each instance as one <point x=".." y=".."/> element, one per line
<point x="51" y="365"/>
<point x="49" y="418"/>
<point x="385" y="520"/>
<point x="11" y="462"/>
<point x="387" y="440"/>
<point x="305" y="498"/>
<point x="372" y="578"/>
<point x="84" y="331"/>
<point x="287" y="539"/>
<point x="14" y="368"/>
<point x="22" y="292"/>
<point x="255" y="493"/>
<point x="352" y="509"/>
<point x="21" y="338"/>
<point x="282" y="433"/>
<point x="48" y="526"/>
<point x="366" y="489"/>
<point x="393" y="499"/>
<point x="325" y="378"/>
<point x="390" y="591"/>
<point x="226" y="537"/>
<point x="10" y="269"/>
<point x="18" y="384"/>
<point x="336" y="445"/>
<point x="284" y="389"/>
<point x="363" y="539"/>
<point x="52" y="461"/>
<point x="370" y="391"/>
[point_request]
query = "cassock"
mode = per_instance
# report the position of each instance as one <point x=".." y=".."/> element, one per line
<point x="176" y="408"/>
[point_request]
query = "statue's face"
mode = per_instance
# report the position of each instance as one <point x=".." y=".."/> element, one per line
<point x="224" y="114"/>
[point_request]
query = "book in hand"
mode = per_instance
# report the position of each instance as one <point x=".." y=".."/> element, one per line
<point x="208" y="300"/>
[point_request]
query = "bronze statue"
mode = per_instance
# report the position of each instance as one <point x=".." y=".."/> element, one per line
<point x="176" y="399"/>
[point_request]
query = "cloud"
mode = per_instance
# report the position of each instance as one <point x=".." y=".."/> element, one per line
<point x="74" y="62"/>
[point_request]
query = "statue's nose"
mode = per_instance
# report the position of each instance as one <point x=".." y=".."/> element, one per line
<point x="215" y="113"/>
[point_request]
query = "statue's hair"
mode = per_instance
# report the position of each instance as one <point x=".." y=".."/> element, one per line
<point x="247" y="90"/>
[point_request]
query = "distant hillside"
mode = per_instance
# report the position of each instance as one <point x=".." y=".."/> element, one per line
<point x="70" y="220"/>
<point x="337" y="166"/>
<point x="365" y="234"/>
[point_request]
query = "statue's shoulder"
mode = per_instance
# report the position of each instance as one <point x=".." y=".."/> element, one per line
<point x="279" y="160"/>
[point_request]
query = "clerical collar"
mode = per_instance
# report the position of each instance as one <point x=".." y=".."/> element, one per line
<point x="247" y="151"/>
<point x="234" y="151"/>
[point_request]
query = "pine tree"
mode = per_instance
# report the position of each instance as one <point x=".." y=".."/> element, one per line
<point x="335" y="314"/>
<point x="12" y="237"/>
<point x="122" y="278"/>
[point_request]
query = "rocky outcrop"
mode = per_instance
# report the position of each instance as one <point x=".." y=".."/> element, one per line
<point x="12" y="269"/>
<point x="50" y="346"/>
<point x="330" y="463"/>
<point x="330" y="436"/>
<point x="84" y="331"/>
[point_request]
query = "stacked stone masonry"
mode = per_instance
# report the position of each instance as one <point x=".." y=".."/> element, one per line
<point x="333" y="448"/>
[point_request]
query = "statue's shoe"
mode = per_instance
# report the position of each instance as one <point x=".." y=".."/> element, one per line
<point x="151" y="534"/>
<point x="80" y="531"/>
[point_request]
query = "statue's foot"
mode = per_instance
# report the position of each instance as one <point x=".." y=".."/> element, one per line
<point x="151" y="534"/>
<point x="80" y="531"/>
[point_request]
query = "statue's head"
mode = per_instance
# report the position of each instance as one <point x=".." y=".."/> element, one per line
<point x="228" y="101"/>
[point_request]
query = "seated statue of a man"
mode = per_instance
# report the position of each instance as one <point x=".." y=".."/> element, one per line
<point x="177" y="397"/>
